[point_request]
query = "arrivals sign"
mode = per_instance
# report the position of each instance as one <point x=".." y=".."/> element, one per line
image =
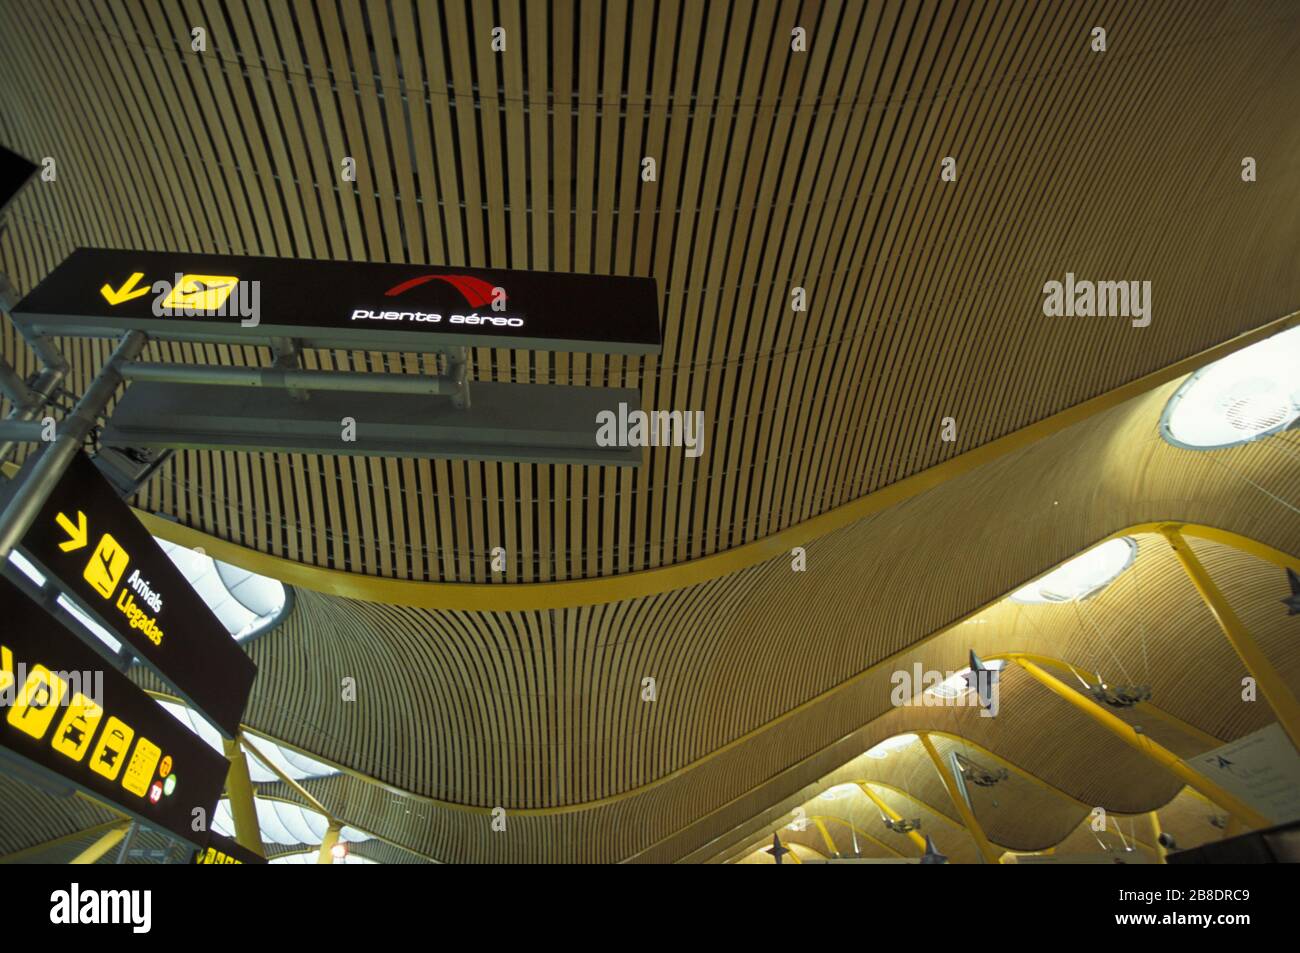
<point x="235" y="299"/>
<point x="64" y="709"/>
<point x="103" y="557"/>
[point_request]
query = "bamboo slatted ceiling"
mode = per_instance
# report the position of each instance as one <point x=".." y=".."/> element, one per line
<point x="775" y="170"/>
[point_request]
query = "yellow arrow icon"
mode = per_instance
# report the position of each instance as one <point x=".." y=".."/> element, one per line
<point x="6" y="668"/>
<point x="124" y="293"/>
<point x="77" y="537"/>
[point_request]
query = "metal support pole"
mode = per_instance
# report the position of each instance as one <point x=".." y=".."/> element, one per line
<point x="20" y="431"/>
<point x="288" y="357"/>
<point x="54" y="368"/>
<point x="458" y="372"/>
<point x="1143" y="743"/>
<point x="12" y="386"/>
<point x="1271" y="684"/>
<point x="126" y="843"/>
<point x="893" y="815"/>
<point x="239" y="788"/>
<point x="39" y="482"/>
<point x="326" y="856"/>
<point x="289" y="379"/>
<point x="988" y="853"/>
<point x="29" y="401"/>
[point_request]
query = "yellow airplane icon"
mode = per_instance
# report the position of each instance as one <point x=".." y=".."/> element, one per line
<point x="200" y="292"/>
<point x="125" y="293"/>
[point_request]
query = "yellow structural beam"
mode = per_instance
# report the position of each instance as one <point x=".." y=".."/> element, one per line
<point x="1271" y="684"/>
<point x="1146" y="745"/>
<point x="239" y="788"/>
<point x="826" y="836"/>
<point x="990" y="853"/>
<point x="1146" y="708"/>
<point x="36" y="851"/>
<point x="288" y="782"/>
<point x="893" y="815"/>
<point x="326" y="855"/>
<point x="1155" y="836"/>
<point x="861" y="833"/>
<point x="103" y="844"/>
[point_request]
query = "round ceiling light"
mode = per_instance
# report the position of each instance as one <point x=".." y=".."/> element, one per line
<point x="1083" y="575"/>
<point x="1251" y="394"/>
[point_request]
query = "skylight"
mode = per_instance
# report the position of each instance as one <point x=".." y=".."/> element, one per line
<point x="311" y="857"/>
<point x="285" y="824"/>
<point x="1083" y="575"/>
<point x="882" y="750"/>
<point x="1247" y="395"/>
<point x="838" y="791"/>
<point x="244" y="601"/>
<point x="296" y="766"/>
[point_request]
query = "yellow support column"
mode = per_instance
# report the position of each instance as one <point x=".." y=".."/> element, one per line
<point x="1156" y="752"/>
<point x="106" y="842"/>
<point x="826" y="836"/>
<point x="1271" y="684"/>
<point x="239" y="788"/>
<point x="990" y="853"/>
<point x="1155" y="837"/>
<point x="893" y="815"/>
<point x="327" y="843"/>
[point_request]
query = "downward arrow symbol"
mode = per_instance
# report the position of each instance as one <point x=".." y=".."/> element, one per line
<point x="77" y="537"/>
<point x="124" y="293"/>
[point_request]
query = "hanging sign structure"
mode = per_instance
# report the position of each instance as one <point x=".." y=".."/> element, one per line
<point x="1262" y="768"/>
<point x="63" y="710"/>
<point x="224" y="850"/>
<point x="88" y="539"/>
<point x="392" y="307"/>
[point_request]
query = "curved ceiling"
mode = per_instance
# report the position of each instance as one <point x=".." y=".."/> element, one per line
<point x="775" y="170"/>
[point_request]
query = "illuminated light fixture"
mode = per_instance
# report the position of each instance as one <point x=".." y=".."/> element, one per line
<point x="1082" y="576"/>
<point x="1245" y="396"/>
<point x="169" y="785"/>
<point x="838" y="791"/>
<point x="246" y="603"/>
<point x="882" y="750"/>
<point x="339" y="851"/>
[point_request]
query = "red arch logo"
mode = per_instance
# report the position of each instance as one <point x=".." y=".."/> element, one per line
<point x="476" y="291"/>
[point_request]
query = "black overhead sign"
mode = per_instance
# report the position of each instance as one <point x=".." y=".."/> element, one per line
<point x="64" y="709"/>
<point x="224" y="850"/>
<point x="14" y="173"/>
<point x="103" y="557"/>
<point x="225" y="298"/>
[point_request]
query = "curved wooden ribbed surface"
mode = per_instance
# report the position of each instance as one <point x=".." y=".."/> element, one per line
<point x="776" y="169"/>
